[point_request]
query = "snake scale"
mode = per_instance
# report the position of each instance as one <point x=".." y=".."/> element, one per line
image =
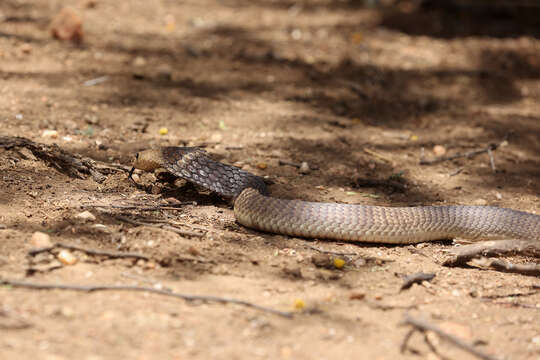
<point x="254" y="208"/>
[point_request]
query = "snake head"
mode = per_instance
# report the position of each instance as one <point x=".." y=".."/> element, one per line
<point x="147" y="160"/>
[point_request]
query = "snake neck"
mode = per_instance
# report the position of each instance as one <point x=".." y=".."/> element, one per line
<point x="194" y="164"/>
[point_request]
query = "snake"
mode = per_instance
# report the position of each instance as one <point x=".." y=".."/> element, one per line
<point x="255" y="208"/>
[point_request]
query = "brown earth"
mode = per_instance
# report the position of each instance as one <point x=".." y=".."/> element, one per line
<point x="356" y="92"/>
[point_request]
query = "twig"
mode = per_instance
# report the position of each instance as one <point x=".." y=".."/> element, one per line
<point x="71" y="164"/>
<point x="186" y="297"/>
<point x="96" y="81"/>
<point x="491" y="159"/>
<point x="461" y="255"/>
<point x="456" y="172"/>
<point x="417" y="278"/>
<point x="513" y="304"/>
<point x="382" y="157"/>
<point x="329" y="252"/>
<point x="523" y="269"/>
<point x="140" y="207"/>
<point x="159" y="226"/>
<point x="423" y="326"/>
<point x="489" y="149"/>
<point x="110" y="254"/>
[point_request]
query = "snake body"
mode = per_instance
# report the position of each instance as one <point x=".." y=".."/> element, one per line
<point x="254" y="208"/>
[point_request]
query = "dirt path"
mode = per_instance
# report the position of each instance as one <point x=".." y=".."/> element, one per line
<point x="354" y="92"/>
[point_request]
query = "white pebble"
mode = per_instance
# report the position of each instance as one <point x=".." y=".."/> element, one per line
<point x="40" y="240"/>
<point x="67" y="258"/>
<point x="53" y="134"/>
<point x="304" y="168"/>
<point x="85" y="216"/>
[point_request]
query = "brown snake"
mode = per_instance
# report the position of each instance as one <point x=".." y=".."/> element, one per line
<point x="378" y="224"/>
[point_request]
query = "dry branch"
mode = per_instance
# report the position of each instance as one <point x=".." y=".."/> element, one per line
<point x="186" y="297"/>
<point x="70" y="164"/>
<point x="163" y="226"/>
<point x="110" y="254"/>
<point x="417" y="278"/>
<point x="469" y="154"/>
<point x="423" y="326"/>
<point x="461" y="255"/>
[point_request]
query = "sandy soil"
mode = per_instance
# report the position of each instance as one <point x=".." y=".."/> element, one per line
<point x="355" y="92"/>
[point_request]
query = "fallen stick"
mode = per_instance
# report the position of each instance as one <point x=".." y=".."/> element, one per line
<point x="163" y="226"/>
<point x="417" y="278"/>
<point x="423" y="326"/>
<point x="110" y="254"/>
<point x="488" y="149"/>
<point x="461" y="255"/>
<point x="523" y="269"/>
<point x="73" y="165"/>
<point x="186" y="297"/>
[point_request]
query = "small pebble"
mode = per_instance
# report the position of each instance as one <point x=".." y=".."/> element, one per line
<point x="304" y="168"/>
<point x="26" y="49"/>
<point x="139" y="61"/>
<point x="322" y="260"/>
<point x="439" y="150"/>
<point x="163" y="131"/>
<point x="85" y="216"/>
<point x="480" y="202"/>
<point x="67" y="25"/>
<point x="67" y="258"/>
<point x="40" y="240"/>
<point x="52" y="134"/>
<point x="357" y="296"/>
<point x="262" y="165"/>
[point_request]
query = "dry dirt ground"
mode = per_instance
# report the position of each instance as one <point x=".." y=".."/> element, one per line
<point x="356" y="92"/>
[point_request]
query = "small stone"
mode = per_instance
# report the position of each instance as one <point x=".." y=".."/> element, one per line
<point x="216" y="137"/>
<point x="67" y="25"/>
<point x="139" y="61"/>
<point x="40" y="240"/>
<point x="439" y="150"/>
<point x="51" y="134"/>
<point x="480" y="202"/>
<point x="156" y="189"/>
<point x="85" y="216"/>
<point x="91" y="119"/>
<point x="322" y="260"/>
<point x="163" y="131"/>
<point x="357" y="296"/>
<point x="304" y="168"/>
<point x="193" y="251"/>
<point x="262" y="165"/>
<point x="292" y="271"/>
<point x="67" y="258"/>
<point x="26" y="49"/>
